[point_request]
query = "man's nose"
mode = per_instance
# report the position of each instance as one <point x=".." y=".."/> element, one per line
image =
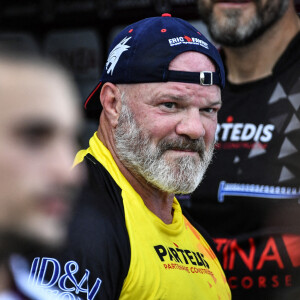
<point x="191" y="125"/>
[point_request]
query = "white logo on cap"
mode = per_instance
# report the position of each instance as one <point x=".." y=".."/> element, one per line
<point x="187" y="40"/>
<point x="115" y="54"/>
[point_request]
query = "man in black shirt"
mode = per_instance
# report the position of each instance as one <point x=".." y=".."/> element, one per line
<point x="249" y="199"/>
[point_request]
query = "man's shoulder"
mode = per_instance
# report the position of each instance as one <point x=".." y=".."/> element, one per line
<point x="100" y="204"/>
<point x="100" y="185"/>
<point x="290" y="59"/>
<point x="98" y="239"/>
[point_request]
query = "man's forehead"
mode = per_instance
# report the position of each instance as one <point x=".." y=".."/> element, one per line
<point x="38" y="97"/>
<point x="20" y="78"/>
<point x="192" y="61"/>
<point x="11" y="71"/>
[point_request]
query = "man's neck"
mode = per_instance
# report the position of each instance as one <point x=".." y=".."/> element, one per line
<point x="257" y="60"/>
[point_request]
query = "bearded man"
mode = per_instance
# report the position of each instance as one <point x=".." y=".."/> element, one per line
<point x="255" y="176"/>
<point x="158" y="100"/>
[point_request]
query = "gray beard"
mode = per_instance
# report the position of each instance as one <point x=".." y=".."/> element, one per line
<point x="231" y="33"/>
<point x="144" y="159"/>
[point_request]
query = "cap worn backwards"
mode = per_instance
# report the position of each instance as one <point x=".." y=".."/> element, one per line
<point x="142" y="53"/>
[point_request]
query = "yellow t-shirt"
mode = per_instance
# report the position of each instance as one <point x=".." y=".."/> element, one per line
<point x="167" y="261"/>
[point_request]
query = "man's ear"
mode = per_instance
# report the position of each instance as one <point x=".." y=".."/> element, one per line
<point x="110" y="98"/>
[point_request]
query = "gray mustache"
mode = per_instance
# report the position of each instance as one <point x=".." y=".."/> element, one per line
<point x="183" y="144"/>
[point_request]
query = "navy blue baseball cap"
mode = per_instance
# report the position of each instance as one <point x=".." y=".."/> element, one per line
<point x="142" y="53"/>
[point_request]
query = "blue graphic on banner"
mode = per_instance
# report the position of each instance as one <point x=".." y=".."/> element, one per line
<point x="256" y="190"/>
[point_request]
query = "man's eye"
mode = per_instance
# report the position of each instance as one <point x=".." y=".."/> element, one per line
<point x="169" y="104"/>
<point x="36" y="139"/>
<point x="210" y="110"/>
<point x="35" y="136"/>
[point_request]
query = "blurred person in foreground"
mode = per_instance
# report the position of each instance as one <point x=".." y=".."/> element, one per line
<point x="39" y="123"/>
<point x="158" y="100"/>
<point x="249" y="199"/>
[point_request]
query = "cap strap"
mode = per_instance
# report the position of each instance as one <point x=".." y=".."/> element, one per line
<point x="202" y="78"/>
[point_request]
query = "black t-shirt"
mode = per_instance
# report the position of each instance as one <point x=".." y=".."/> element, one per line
<point x="249" y="198"/>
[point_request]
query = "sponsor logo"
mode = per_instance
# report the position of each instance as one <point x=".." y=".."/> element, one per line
<point x="179" y="40"/>
<point x="64" y="280"/>
<point x="244" y="132"/>
<point x="230" y="135"/>
<point x="115" y="54"/>
<point x="183" y="260"/>
<point x="257" y="191"/>
<point x="247" y="264"/>
<point x="181" y="256"/>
